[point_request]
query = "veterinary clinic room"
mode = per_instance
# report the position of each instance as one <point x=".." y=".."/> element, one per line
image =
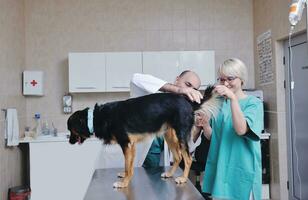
<point x="153" y="99"/>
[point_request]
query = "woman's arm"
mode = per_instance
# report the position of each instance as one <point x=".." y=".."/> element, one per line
<point x="239" y="122"/>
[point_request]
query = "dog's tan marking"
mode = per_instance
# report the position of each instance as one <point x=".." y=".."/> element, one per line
<point x="113" y="140"/>
<point x="173" y="144"/>
<point x="187" y="163"/>
<point x="178" y="150"/>
<point x="129" y="155"/>
<point x="138" y="137"/>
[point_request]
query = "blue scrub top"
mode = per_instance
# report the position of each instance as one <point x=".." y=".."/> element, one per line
<point x="233" y="168"/>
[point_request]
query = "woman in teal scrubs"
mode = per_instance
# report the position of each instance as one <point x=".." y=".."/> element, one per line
<point x="233" y="167"/>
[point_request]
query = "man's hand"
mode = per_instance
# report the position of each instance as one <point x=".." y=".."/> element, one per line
<point x="192" y="94"/>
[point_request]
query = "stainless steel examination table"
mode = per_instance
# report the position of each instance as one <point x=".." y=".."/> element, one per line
<point x="146" y="184"/>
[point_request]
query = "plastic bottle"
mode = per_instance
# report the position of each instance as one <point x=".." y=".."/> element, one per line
<point x="38" y="127"/>
<point x="45" y="127"/>
<point x="296" y="11"/>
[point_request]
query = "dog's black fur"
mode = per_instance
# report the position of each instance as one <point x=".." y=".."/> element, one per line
<point x="127" y="122"/>
<point x="146" y="114"/>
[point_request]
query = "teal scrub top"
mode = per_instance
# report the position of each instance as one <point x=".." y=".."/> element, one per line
<point x="233" y="167"/>
<point x="153" y="157"/>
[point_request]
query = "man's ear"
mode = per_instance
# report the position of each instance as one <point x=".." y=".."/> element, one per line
<point x="176" y="80"/>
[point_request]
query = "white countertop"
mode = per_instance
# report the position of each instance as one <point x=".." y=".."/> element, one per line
<point x="62" y="137"/>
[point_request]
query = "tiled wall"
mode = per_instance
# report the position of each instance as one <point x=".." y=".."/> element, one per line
<point x="39" y="34"/>
<point x="12" y="54"/>
<point x="273" y="15"/>
<point x="55" y="28"/>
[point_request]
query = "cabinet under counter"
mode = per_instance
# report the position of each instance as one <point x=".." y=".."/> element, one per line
<point x="59" y="170"/>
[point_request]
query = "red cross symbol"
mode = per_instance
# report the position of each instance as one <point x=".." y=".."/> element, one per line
<point x="33" y="83"/>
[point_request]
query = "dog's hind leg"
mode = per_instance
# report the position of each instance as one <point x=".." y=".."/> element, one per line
<point x="129" y="155"/>
<point x="173" y="144"/>
<point x="187" y="163"/>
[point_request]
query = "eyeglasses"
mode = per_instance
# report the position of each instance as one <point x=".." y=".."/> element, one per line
<point x="228" y="79"/>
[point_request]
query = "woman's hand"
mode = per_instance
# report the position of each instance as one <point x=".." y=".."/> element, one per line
<point x="225" y="92"/>
<point x="202" y="121"/>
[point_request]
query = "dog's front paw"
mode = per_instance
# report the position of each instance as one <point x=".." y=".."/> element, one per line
<point x="180" y="180"/>
<point x="120" y="185"/>
<point x="121" y="174"/>
<point x="166" y="175"/>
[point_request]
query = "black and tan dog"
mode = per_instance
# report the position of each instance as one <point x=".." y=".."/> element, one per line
<point x="130" y="121"/>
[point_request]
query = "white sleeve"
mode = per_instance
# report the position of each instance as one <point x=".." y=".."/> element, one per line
<point x="193" y="145"/>
<point x="148" y="82"/>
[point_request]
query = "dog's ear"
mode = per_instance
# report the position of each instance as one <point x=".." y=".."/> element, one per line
<point x="85" y="110"/>
<point x="83" y="118"/>
<point x="78" y="120"/>
<point x="98" y="106"/>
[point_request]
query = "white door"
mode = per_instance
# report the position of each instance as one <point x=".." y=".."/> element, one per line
<point x="87" y="72"/>
<point x="297" y="116"/>
<point x="120" y="68"/>
<point x="163" y="65"/>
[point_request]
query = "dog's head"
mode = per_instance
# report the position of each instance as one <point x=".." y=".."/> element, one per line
<point x="77" y="124"/>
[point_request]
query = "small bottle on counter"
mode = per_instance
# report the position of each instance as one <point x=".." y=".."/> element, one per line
<point x="38" y="127"/>
<point x="45" y="127"/>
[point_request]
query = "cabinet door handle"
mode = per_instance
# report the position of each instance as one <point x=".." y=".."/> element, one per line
<point x="119" y="87"/>
<point x="83" y="88"/>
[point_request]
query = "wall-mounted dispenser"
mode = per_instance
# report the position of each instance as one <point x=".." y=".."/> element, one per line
<point x="67" y="103"/>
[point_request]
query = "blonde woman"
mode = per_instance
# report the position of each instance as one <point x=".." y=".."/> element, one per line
<point x="233" y="167"/>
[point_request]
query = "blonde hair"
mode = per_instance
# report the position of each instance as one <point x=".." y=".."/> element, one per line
<point x="233" y="67"/>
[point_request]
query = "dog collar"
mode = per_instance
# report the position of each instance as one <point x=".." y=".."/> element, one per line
<point x="90" y="121"/>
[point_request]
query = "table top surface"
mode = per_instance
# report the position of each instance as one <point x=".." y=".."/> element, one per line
<point x="145" y="184"/>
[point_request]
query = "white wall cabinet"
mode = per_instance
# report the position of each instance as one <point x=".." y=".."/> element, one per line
<point x="168" y="65"/>
<point x="201" y="62"/>
<point x="87" y="72"/>
<point x="112" y="71"/>
<point x="162" y="64"/>
<point x="120" y="68"/>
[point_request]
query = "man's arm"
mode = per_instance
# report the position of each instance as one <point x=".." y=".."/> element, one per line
<point x="147" y="83"/>
<point x="151" y="84"/>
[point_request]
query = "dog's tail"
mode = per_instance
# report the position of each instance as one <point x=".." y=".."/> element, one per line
<point x="210" y="104"/>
